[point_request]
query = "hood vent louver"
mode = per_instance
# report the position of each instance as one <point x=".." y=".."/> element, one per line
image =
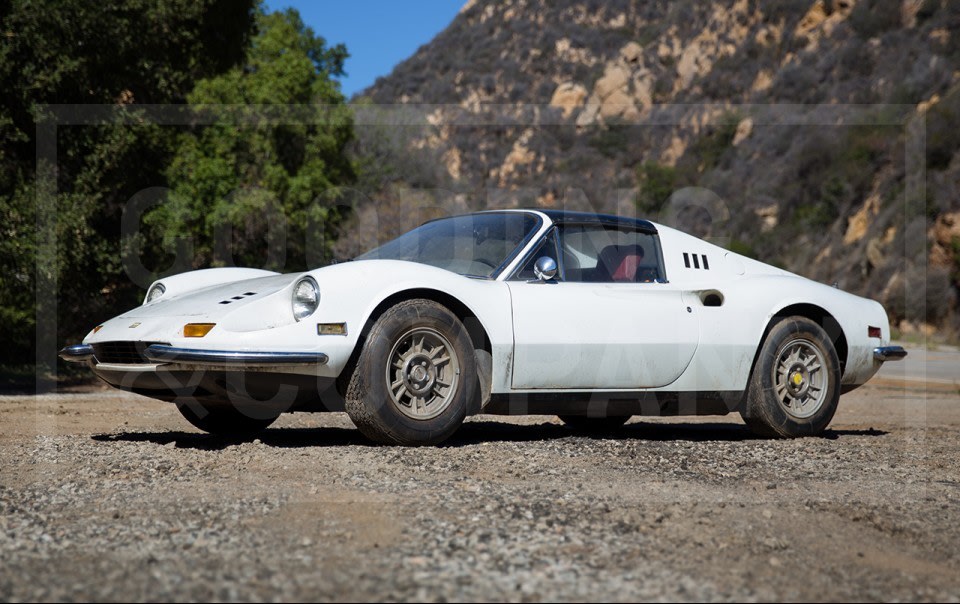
<point x="236" y="298"/>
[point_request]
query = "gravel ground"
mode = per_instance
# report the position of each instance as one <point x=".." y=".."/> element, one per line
<point x="109" y="496"/>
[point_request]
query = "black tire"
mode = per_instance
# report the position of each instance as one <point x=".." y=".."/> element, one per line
<point x="773" y="403"/>
<point x="378" y="411"/>
<point x="223" y="419"/>
<point x="596" y="425"/>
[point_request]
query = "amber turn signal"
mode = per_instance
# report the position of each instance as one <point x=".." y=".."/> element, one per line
<point x="332" y="329"/>
<point x="197" y="330"/>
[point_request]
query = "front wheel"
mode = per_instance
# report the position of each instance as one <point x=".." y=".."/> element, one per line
<point x="415" y="376"/>
<point x="795" y="385"/>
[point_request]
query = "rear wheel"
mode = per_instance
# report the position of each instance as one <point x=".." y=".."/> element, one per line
<point x="795" y="385"/>
<point x="225" y="419"/>
<point x="414" y="377"/>
<point x="583" y="423"/>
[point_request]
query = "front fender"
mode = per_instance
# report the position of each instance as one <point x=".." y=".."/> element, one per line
<point x="351" y="292"/>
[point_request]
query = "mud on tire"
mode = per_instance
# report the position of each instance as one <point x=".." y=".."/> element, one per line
<point x="414" y="377"/>
<point x="795" y="384"/>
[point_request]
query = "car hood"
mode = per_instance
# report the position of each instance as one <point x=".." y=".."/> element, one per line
<point x="215" y="301"/>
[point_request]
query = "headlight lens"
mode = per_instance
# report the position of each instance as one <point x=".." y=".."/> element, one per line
<point x="155" y="293"/>
<point x="306" y="298"/>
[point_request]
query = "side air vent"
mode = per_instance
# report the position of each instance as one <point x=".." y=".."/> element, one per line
<point x="711" y="298"/>
<point x="700" y="261"/>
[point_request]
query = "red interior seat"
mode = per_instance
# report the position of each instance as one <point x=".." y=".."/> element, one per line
<point x="627" y="270"/>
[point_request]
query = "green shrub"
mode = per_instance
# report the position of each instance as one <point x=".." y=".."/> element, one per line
<point x="816" y="215"/>
<point x="943" y="130"/>
<point x="738" y="246"/>
<point x="710" y="148"/>
<point x="871" y="18"/>
<point x="776" y="11"/>
<point x="611" y="141"/>
<point x="646" y="34"/>
<point x="927" y="9"/>
<point x="657" y="182"/>
<point x="662" y="89"/>
<point x="955" y="259"/>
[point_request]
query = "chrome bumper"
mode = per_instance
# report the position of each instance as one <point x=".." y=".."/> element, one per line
<point x="889" y="353"/>
<point x="159" y="353"/>
<point x="78" y="353"/>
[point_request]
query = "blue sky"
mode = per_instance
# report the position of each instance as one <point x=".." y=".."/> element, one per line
<point x="378" y="33"/>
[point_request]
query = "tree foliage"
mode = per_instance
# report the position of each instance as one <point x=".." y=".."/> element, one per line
<point x="257" y="186"/>
<point x="74" y="52"/>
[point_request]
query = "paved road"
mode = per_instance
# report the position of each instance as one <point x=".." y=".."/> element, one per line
<point x="938" y="367"/>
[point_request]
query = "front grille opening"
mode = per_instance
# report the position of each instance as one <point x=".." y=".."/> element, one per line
<point x="124" y="353"/>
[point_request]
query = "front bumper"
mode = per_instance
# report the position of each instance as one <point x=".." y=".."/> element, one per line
<point x="282" y="380"/>
<point x="159" y="353"/>
<point x="78" y="353"/>
<point x="889" y="353"/>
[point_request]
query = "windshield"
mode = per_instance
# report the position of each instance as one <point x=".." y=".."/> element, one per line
<point x="474" y="245"/>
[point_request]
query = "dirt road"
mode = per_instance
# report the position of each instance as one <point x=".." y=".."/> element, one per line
<point x="111" y="496"/>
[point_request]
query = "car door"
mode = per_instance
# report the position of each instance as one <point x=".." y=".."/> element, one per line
<point x="610" y="321"/>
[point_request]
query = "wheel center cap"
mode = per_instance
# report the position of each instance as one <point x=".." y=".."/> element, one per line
<point x="797" y="378"/>
<point x="418" y="373"/>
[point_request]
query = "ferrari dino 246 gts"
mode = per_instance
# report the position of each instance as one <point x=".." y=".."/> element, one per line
<point x="593" y="318"/>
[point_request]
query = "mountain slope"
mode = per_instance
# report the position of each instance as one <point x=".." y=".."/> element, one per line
<point x="821" y="136"/>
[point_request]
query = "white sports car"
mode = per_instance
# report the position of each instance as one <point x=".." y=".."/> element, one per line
<point x="590" y="317"/>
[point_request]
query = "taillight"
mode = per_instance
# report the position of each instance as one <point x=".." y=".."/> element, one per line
<point x="873" y="332"/>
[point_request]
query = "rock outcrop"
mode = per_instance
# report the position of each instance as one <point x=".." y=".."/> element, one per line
<point x="798" y="116"/>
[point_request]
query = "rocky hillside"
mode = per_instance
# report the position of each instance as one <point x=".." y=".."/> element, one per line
<point x="823" y="136"/>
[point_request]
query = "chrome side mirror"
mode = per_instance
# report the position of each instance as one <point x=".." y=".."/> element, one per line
<point x="545" y="268"/>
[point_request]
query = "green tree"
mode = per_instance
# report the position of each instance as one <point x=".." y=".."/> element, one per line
<point x="270" y="167"/>
<point x="80" y="52"/>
